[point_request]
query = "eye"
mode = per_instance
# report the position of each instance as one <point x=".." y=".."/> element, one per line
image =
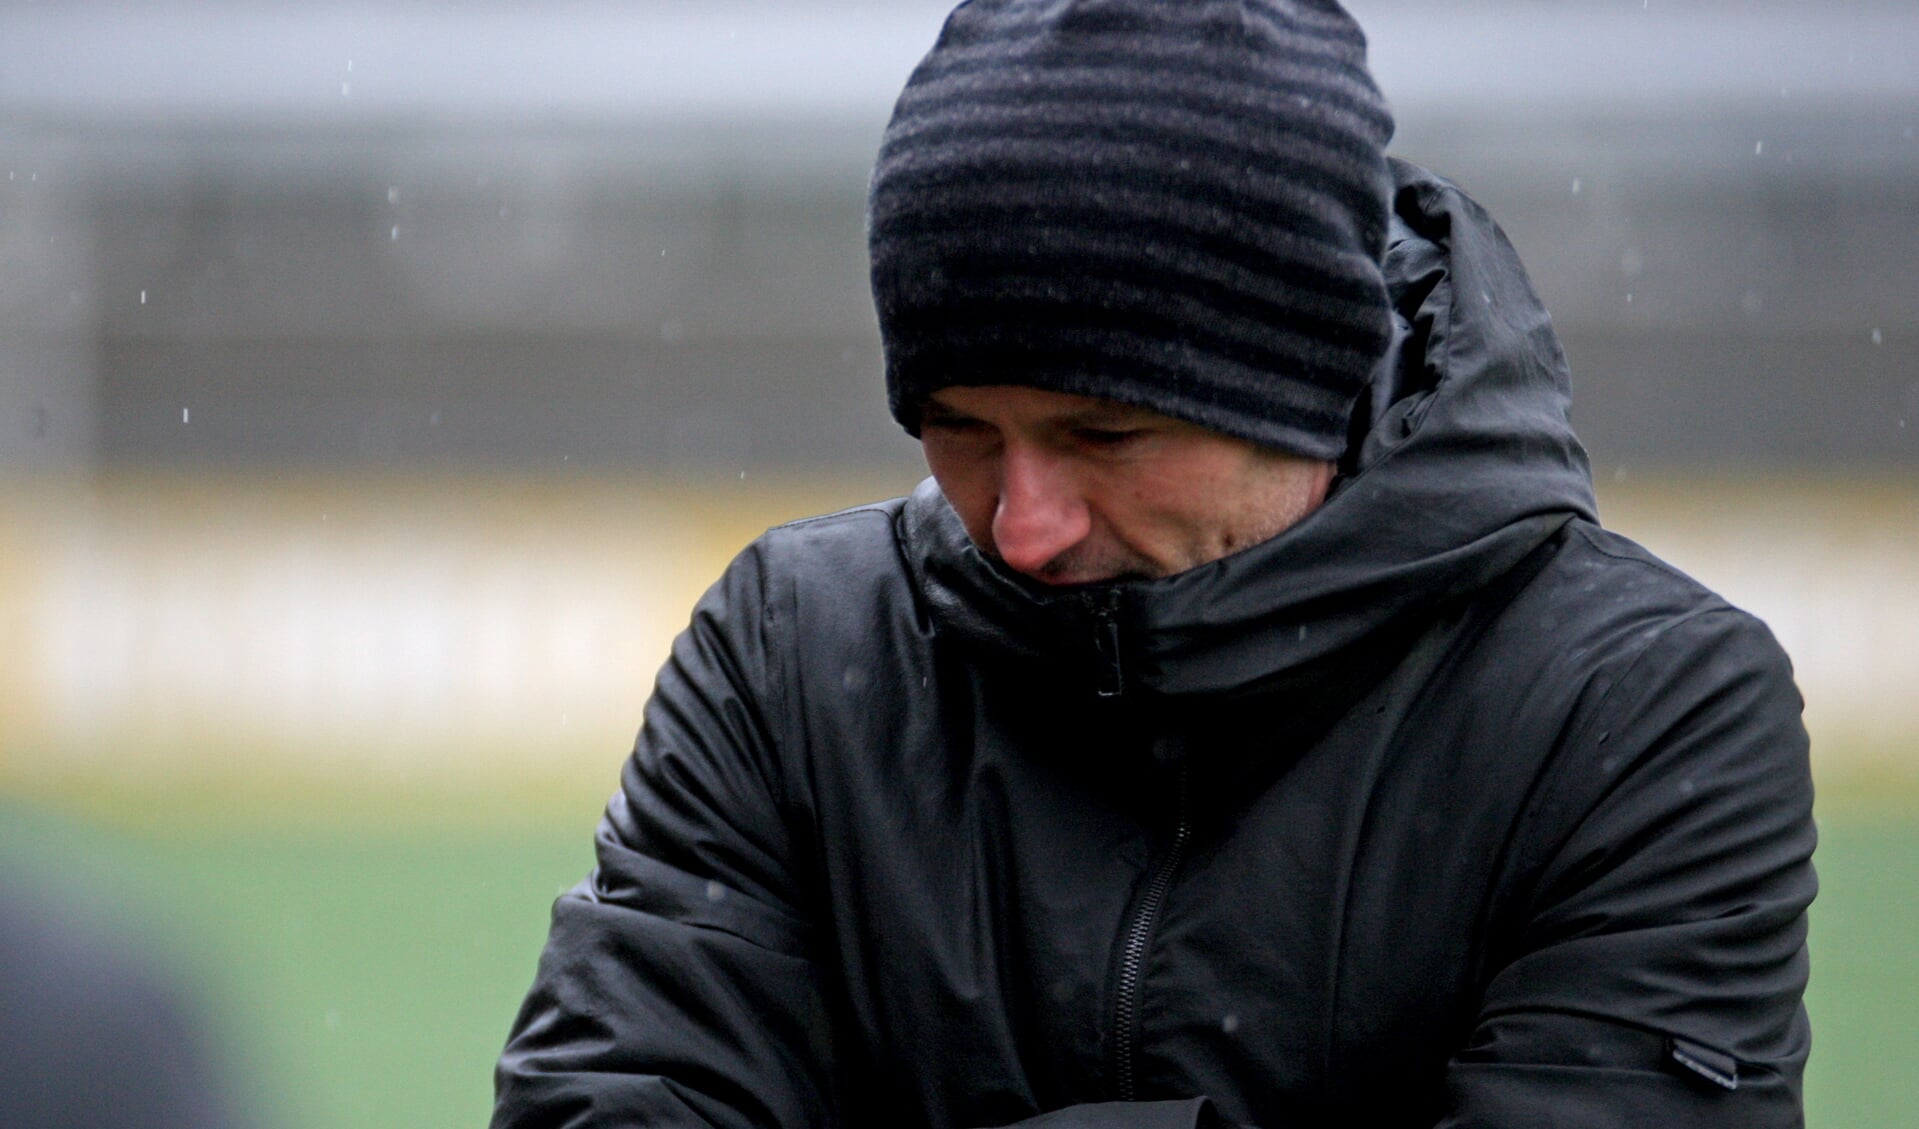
<point x="1108" y="436"/>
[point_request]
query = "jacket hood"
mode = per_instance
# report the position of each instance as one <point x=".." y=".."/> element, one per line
<point x="1463" y="462"/>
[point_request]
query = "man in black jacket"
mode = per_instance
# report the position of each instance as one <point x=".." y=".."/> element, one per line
<point x="1249" y="722"/>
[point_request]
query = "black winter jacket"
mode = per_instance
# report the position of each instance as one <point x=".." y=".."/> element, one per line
<point x="1446" y="807"/>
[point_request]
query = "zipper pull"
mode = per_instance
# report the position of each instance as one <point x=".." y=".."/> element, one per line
<point x="1110" y="677"/>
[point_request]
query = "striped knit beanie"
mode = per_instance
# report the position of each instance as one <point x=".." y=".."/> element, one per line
<point x="1179" y="204"/>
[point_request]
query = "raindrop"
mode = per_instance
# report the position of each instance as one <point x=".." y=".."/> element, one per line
<point x="1229" y="1024"/>
<point x="1629" y="297"/>
<point x="393" y="234"/>
<point x="392" y="194"/>
<point x="1576" y="186"/>
<point x="349" y="66"/>
<point x="742" y="476"/>
<point x="1758" y="148"/>
<point x="186" y="415"/>
<point x="346" y="90"/>
<point x="714" y="891"/>
<point x="1878" y="338"/>
<point x="143" y="301"/>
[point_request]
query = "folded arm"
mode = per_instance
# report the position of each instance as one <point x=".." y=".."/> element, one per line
<point x="1658" y="976"/>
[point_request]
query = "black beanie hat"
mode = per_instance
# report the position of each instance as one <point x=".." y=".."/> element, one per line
<point x="1179" y="204"/>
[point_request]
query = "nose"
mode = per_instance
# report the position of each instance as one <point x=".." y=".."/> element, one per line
<point x="1041" y="511"/>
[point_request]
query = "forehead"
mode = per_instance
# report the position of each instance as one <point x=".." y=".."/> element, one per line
<point x="1009" y="402"/>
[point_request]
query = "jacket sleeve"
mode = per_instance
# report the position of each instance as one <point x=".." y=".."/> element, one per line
<point x="1660" y="957"/>
<point x="677" y="986"/>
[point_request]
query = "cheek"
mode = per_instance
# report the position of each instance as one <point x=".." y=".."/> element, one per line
<point x="1212" y="498"/>
<point x="967" y="477"/>
<point x="1178" y="491"/>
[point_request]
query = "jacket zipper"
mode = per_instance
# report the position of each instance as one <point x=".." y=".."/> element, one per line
<point x="1111" y="681"/>
<point x="1137" y="939"/>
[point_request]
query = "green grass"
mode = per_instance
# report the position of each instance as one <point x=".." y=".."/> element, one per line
<point x="367" y="979"/>
<point x="1864" y="998"/>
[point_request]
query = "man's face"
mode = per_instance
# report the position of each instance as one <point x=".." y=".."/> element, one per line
<point x="1073" y="489"/>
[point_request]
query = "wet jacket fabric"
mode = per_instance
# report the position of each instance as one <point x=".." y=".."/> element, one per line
<point x="1445" y="807"/>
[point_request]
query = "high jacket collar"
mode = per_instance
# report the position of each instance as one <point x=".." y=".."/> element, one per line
<point x="1466" y="464"/>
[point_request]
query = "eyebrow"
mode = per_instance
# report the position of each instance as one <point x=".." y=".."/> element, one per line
<point x="1108" y="415"/>
<point x="937" y="412"/>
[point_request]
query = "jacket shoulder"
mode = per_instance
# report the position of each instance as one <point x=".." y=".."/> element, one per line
<point x="1669" y="702"/>
<point x="1638" y="686"/>
<point x="867" y="522"/>
<point x="832" y="554"/>
<point x="837" y="597"/>
<point x="1606" y="599"/>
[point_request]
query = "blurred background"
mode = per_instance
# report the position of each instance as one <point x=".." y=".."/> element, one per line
<point x="380" y="383"/>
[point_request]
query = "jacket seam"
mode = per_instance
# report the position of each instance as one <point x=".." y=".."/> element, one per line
<point x="916" y="583"/>
<point x="779" y="765"/>
<point x="1648" y="561"/>
<point x="775" y="676"/>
